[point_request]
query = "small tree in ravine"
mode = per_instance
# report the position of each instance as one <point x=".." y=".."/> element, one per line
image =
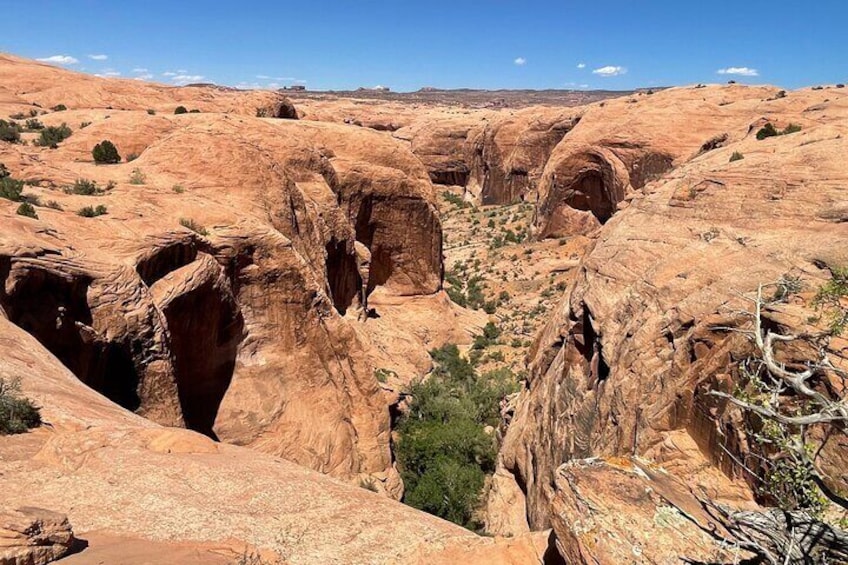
<point x="105" y="153"/>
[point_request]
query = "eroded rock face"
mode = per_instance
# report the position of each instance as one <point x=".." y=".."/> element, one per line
<point x="611" y="512"/>
<point x="497" y="156"/>
<point x="621" y="145"/>
<point x="218" y="301"/>
<point x="33" y="536"/>
<point x="627" y="357"/>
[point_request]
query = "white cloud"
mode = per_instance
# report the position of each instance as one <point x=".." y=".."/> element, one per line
<point x="60" y="60"/>
<point x="140" y="70"/>
<point x="581" y="65"/>
<point x="610" y="71"/>
<point x="181" y="71"/>
<point x="144" y="76"/>
<point x="108" y="73"/>
<point x="520" y="61"/>
<point x="169" y="74"/>
<point x="184" y="79"/>
<point x="741" y="71"/>
<point x="98" y="57"/>
<point x="262" y="77"/>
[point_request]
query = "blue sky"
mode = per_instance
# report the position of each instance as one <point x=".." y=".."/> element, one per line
<point x="407" y="45"/>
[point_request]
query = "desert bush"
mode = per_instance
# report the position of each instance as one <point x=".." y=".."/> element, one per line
<point x="92" y="212"/>
<point x="84" y="125"/>
<point x="105" y="153"/>
<point x="455" y="200"/>
<point x="33" y="125"/>
<point x="151" y="112"/>
<point x="443" y="450"/>
<point x="194" y="111"/>
<point x="52" y="136"/>
<point x="737" y="156"/>
<point x="10" y="188"/>
<point x="193" y="226"/>
<point x="137" y="177"/>
<point x="59" y="108"/>
<point x="180" y="110"/>
<point x="17" y="413"/>
<point x="53" y="205"/>
<point x="767" y="130"/>
<point x="791" y="128"/>
<point x="178" y="188"/>
<point x="10" y="132"/>
<point x="84" y="187"/>
<point x="28" y="210"/>
<point x="18" y="116"/>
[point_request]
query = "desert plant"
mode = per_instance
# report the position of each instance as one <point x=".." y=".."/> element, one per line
<point x="132" y="157"/>
<point x="193" y="226"/>
<point x="17" y="413"/>
<point x="194" y="111"/>
<point x="53" y="205"/>
<point x="791" y="128"/>
<point x="178" y="188"/>
<point x="180" y="110"/>
<point x="34" y="125"/>
<point x="59" y="108"/>
<point x="84" y="125"/>
<point x="105" y="153"/>
<point x="737" y="156"/>
<point x="28" y="210"/>
<point x="443" y="451"/>
<point x="52" y="136"/>
<point x="137" y="177"/>
<point x="11" y="189"/>
<point x="151" y="112"/>
<point x="10" y="132"/>
<point x="84" y="187"/>
<point x="767" y="130"/>
<point x="92" y="212"/>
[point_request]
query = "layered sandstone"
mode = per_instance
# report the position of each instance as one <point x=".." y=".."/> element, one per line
<point x="625" y="361"/>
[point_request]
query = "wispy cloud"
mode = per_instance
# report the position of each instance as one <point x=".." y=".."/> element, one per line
<point x="108" y="73"/>
<point x="741" y="71"/>
<point x="581" y="65"/>
<point x="144" y="76"/>
<point x="140" y="70"/>
<point x="183" y="79"/>
<point x="169" y="74"/>
<point x="520" y="61"/>
<point x="610" y="71"/>
<point x="60" y="60"/>
<point x="98" y="57"/>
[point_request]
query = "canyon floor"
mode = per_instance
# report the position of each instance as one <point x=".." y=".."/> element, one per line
<point x="222" y="328"/>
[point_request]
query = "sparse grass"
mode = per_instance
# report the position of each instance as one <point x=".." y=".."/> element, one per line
<point x="368" y="483"/>
<point x="17" y="413"/>
<point x="53" y="205"/>
<point x="137" y="177"/>
<point x="84" y="187"/>
<point x="92" y="212"/>
<point x="193" y="226"/>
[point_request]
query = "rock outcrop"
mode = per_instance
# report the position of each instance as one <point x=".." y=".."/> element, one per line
<point x="220" y="301"/>
<point x="621" y="145"/>
<point x="33" y="536"/>
<point x="624" y="363"/>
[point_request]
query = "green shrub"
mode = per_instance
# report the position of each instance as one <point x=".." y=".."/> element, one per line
<point x="180" y="110"/>
<point x="59" y="108"/>
<point x="767" y="130"/>
<point x="27" y="209"/>
<point x="18" y="116"/>
<point x="193" y="226"/>
<point x="34" y="125"/>
<point x="53" y="205"/>
<point x="85" y="125"/>
<point x="90" y="212"/>
<point x="151" y="111"/>
<point x="84" y="187"/>
<point x="443" y="451"/>
<point x="178" y="188"/>
<point x="105" y="153"/>
<point x="17" y="413"/>
<point x="11" y="189"/>
<point x="737" y="156"/>
<point x="52" y="136"/>
<point x="10" y="132"/>
<point x="791" y="128"/>
<point x="137" y="177"/>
